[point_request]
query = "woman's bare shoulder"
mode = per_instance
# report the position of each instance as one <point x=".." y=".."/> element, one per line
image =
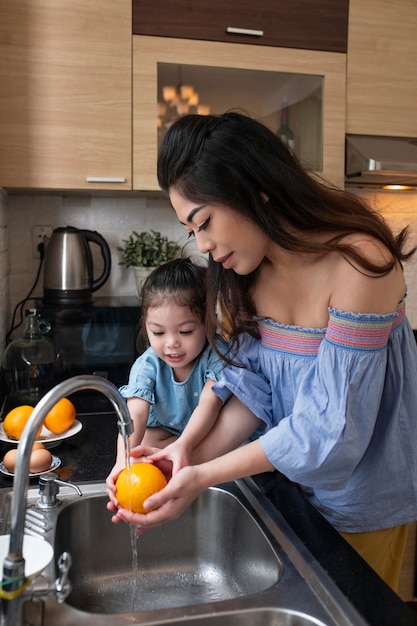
<point x="357" y="290"/>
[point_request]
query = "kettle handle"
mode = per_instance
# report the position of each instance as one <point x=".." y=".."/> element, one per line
<point x="95" y="237"/>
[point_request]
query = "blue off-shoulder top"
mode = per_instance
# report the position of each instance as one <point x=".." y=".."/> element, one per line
<point x="338" y="408"/>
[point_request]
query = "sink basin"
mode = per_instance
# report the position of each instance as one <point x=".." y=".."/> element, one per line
<point x="230" y="560"/>
<point x="215" y="551"/>
<point x="258" y="617"/>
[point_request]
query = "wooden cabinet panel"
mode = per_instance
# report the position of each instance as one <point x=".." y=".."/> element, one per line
<point x="381" y="68"/>
<point x="148" y="52"/>
<point x="65" y="100"/>
<point x="318" y="25"/>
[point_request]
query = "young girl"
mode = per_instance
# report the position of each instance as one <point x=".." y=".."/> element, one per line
<point x="330" y="361"/>
<point x="173" y="378"/>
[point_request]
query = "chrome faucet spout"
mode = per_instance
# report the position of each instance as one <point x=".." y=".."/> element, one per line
<point x="125" y="427"/>
<point x="14" y="564"/>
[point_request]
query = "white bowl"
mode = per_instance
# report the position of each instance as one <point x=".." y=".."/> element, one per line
<point x="37" y="553"/>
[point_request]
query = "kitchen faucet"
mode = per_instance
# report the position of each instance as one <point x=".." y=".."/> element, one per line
<point x="14" y="563"/>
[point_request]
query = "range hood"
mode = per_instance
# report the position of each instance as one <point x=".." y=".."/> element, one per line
<point x="380" y="161"/>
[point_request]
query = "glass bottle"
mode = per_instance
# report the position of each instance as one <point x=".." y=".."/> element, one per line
<point x="31" y="364"/>
<point x="284" y="132"/>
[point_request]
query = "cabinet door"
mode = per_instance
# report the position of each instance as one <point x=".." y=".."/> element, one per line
<point x="65" y="99"/>
<point x="318" y="25"/>
<point x="381" y="68"/>
<point x="152" y="56"/>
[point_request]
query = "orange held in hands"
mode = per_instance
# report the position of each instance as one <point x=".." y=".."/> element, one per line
<point x="15" y="421"/>
<point x="60" y="417"/>
<point x="135" y="486"/>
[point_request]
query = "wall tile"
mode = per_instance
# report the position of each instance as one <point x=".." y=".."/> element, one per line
<point x="113" y="217"/>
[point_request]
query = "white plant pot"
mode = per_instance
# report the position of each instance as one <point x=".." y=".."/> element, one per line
<point x="141" y="273"/>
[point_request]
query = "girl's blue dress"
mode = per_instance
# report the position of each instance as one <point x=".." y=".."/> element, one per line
<point x="172" y="402"/>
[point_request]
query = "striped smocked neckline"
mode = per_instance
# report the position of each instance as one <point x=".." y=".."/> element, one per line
<point x="350" y="330"/>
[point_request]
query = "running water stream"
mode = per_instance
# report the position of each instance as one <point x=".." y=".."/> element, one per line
<point x="133" y="529"/>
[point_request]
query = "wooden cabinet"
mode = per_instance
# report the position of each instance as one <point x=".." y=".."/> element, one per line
<point x="150" y="54"/>
<point x="318" y="25"/>
<point x="65" y="98"/>
<point x="381" y="68"/>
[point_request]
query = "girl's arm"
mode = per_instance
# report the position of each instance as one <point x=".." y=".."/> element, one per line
<point x="200" y="423"/>
<point x="203" y="417"/>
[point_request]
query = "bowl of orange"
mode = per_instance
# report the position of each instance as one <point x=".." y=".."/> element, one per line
<point x="60" y="423"/>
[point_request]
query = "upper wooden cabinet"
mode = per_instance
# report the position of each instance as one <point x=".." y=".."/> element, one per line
<point x="256" y="80"/>
<point x="381" y="68"/>
<point x="65" y="97"/>
<point x="318" y="25"/>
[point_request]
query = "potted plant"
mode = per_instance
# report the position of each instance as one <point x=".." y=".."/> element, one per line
<point x="145" y="251"/>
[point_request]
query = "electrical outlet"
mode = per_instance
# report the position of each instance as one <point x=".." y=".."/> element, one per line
<point x="39" y="235"/>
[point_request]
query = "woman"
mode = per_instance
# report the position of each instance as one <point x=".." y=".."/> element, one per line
<point x="328" y="362"/>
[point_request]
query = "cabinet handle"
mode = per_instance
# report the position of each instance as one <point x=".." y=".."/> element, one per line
<point x="104" y="179"/>
<point x="245" y="31"/>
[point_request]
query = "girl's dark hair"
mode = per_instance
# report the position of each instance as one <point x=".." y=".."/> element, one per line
<point x="180" y="281"/>
<point x="232" y="160"/>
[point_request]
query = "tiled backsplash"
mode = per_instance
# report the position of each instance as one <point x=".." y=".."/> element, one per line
<point x="115" y="218"/>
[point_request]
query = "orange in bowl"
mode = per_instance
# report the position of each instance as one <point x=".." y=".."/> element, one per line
<point x="15" y="421"/>
<point x="61" y="417"/>
<point x="134" y="486"/>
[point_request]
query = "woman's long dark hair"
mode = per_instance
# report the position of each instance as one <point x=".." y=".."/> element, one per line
<point x="235" y="161"/>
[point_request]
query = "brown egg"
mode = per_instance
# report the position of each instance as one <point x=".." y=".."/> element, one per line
<point x="38" y="446"/>
<point x="40" y="461"/>
<point x="9" y="460"/>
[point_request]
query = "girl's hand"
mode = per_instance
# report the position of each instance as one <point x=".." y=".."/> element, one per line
<point x="176" y="452"/>
<point x="111" y="486"/>
<point x="146" y="453"/>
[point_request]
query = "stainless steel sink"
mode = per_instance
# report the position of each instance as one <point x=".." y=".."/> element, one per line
<point x="230" y="560"/>
<point x="215" y="551"/>
<point x="257" y="617"/>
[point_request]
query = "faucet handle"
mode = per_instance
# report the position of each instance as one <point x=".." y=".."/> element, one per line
<point x="62" y="584"/>
<point x="49" y="489"/>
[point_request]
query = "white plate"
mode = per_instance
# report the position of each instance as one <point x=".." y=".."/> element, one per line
<point x="47" y="438"/>
<point x="37" y="553"/>
<point x="56" y="462"/>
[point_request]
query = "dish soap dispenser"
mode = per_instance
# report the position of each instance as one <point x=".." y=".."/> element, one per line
<point x="31" y="364"/>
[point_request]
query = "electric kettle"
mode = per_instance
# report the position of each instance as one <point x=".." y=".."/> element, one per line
<point x="68" y="270"/>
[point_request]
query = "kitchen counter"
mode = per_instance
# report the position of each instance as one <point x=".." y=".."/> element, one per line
<point x="90" y="454"/>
